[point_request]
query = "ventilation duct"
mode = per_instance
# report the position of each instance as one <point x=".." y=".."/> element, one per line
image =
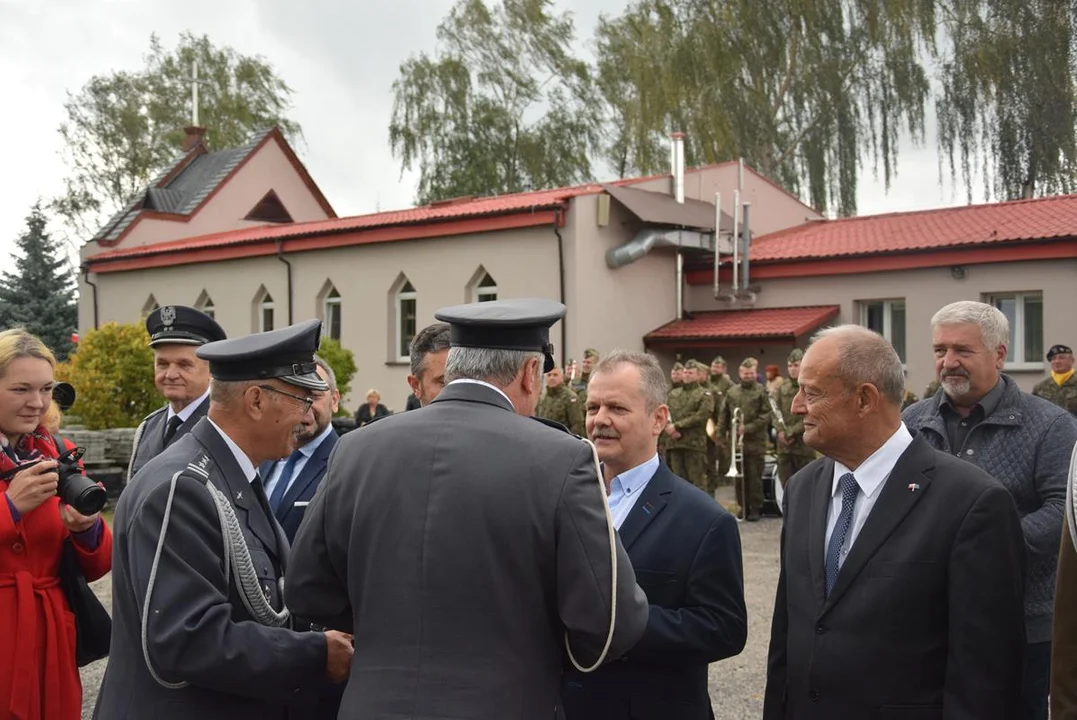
<point x="650" y="238"/>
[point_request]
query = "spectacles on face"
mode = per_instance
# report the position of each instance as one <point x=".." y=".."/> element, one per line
<point x="307" y="402"/>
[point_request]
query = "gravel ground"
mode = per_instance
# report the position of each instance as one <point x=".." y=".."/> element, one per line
<point x="736" y="684"/>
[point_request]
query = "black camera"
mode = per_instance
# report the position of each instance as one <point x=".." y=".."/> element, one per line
<point x="74" y="488"/>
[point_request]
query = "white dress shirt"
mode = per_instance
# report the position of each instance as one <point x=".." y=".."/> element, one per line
<point x="305" y="452"/>
<point x="626" y="488"/>
<point x="496" y="389"/>
<point x="245" y="463"/>
<point x="870" y="477"/>
<point x="186" y="413"/>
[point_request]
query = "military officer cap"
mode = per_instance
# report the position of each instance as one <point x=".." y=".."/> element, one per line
<point x="1059" y="350"/>
<point x="516" y="324"/>
<point x="286" y="354"/>
<point x="696" y="365"/>
<point x="678" y="366"/>
<point x="182" y="325"/>
<point x="749" y="362"/>
<point x="591" y="353"/>
<point x="796" y="356"/>
<point x="718" y="361"/>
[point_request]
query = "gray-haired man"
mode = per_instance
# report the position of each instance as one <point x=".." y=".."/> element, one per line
<point x="1023" y="441"/>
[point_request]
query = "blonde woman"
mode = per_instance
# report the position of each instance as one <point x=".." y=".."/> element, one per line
<point x="372" y="410"/>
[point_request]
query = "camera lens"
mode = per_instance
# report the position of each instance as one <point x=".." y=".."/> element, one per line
<point x="85" y="495"/>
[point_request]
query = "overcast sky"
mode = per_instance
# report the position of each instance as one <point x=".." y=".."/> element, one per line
<point x="340" y="57"/>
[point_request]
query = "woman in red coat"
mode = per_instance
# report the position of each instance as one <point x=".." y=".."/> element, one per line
<point x="39" y="678"/>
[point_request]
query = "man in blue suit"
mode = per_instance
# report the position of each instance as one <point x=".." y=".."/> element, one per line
<point x="684" y="547"/>
<point x="290" y="482"/>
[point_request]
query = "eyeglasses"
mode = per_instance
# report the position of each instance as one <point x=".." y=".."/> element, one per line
<point x="306" y="401"/>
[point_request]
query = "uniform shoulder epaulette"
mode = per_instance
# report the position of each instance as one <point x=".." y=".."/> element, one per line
<point x="158" y="411"/>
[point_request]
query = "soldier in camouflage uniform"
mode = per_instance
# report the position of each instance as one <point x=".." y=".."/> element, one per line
<point x="753" y="400"/>
<point x="717" y="449"/>
<point x="590" y="359"/>
<point x="687" y="429"/>
<point x="910" y="399"/>
<point x="1061" y="387"/>
<point x="793" y="454"/>
<point x="676" y="377"/>
<point x="560" y="404"/>
<point x="932" y="389"/>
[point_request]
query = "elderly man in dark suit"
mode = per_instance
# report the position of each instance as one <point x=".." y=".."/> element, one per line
<point x="180" y="375"/>
<point x="199" y="626"/>
<point x="291" y="482"/>
<point x="902" y="568"/>
<point x="469" y="545"/>
<point x="684" y="547"/>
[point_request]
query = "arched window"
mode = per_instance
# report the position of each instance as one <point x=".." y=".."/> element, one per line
<point x="486" y="290"/>
<point x="263" y="311"/>
<point x="205" y="304"/>
<point x="406" y="305"/>
<point x="331" y="313"/>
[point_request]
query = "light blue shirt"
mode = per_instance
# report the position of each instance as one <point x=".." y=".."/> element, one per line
<point x="626" y="488"/>
<point x="305" y="453"/>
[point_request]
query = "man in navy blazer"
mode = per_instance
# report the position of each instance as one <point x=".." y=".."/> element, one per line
<point x="685" y="550"/>
<point x="290" y="482"/>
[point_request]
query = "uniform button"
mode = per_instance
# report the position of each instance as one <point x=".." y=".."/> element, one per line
<point x="819" y="630"/>
<point x="970" y="451"/>
<point x="17" y="547"/>
<point x="814" y="696"/>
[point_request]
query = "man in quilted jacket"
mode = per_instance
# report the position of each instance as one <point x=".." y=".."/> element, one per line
<point x="1023" y="441"/>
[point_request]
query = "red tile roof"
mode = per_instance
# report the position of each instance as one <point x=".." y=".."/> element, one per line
<point x="971" y="225"/>
<point x="774" y="323"/>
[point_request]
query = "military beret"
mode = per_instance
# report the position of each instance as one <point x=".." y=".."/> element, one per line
<point x="796" y="356"/>
<point x="286" y="354"/>
<point x="182" y="325"/>
<point x="749" y="362"/>
<point x="678" y="366"/>
<point x="590" y="353"/>
<point x="718" y="361"/>
<point x="1059" y="350"/>
<point x="516" y="324"/>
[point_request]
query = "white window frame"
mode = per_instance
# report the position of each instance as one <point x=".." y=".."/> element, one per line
<point x="403" y="296"/>
<point x="888" y="321"/>
<point x="209" y="308"/>
<point x="1020" y="362"/>
<point x="485" y="291"/>
<point x="332" y="307"/>
<point x="266" y="304"/>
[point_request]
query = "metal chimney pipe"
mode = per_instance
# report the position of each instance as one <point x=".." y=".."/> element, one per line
<point x="677" y="151"/>
<point x="747" y="232"/>
<point x="736" y="242"/>
<point x="740" y="178"/>
<point x="717" y="237"/>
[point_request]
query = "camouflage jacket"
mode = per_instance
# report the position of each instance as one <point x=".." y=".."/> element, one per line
<point x="794" y="424"/>
<point x="719" y="387"/>
<point x="689" y="411"/>
<point x="562" y="405"/>
<point x="909" y="399"/>
<point x="755" y="414"/>
<point x="1064" y="395"/>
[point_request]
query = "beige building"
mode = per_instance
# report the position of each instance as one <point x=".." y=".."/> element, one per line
<point x="246" y="235"/>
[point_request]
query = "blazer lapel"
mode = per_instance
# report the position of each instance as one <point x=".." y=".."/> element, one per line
<point x="817" y="518"/>
<point x="311" y="470"/>
<point x="648" y="506"/>
<point x="894" y="503"/>
<point x="233" y="483"/>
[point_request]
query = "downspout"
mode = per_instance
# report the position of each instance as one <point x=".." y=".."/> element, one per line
<point x="680" y="285"/>
<point x="561" y="279"/>
<point x="86" y="279"/>
<point x="280" y="256"/>
<point x="747" y="232"/>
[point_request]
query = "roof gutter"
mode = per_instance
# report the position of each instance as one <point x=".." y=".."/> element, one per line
<point x="86" y="279"/>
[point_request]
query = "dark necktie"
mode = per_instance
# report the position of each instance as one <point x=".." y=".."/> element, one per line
<point x="849" y="491"/>
<point x="282" y="482"/>
<point x="260" y="494"/>
<point x="171" y="428"/>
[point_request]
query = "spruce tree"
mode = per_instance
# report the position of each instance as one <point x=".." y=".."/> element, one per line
<point x="39" y="294"/>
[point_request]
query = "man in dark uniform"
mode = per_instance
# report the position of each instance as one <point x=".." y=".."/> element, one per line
<point x="485" y="555"/>
<point x="1061" y="387"/>
<point x="199" y="625"/>
<point x="175" y="332"/>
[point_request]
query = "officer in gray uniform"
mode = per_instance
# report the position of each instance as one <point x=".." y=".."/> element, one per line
<point x="470" y="544"/>
<point x="199" y="625"/>
<point x="176" y="332"/>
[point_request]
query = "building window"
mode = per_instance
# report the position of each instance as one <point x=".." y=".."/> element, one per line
<point x="205" y="304"/>
<point x="265" y="313"/>
<point x="405" y="320"/>
<point x="486" y="290"/>
<point x="331" y="310"/>
<point x="886" y="317"/>
<point x="1025" y="313"/>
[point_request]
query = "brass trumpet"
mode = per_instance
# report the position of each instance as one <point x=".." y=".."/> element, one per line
<point x="736" y="448"/>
